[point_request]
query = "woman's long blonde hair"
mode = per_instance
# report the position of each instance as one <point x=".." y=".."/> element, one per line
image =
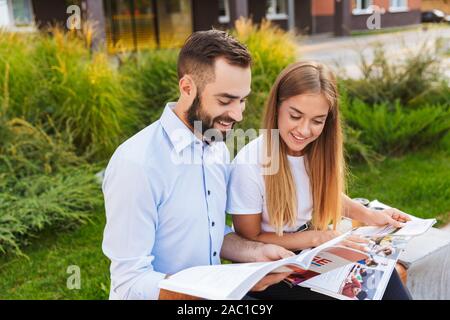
<point x="324" y="158"/>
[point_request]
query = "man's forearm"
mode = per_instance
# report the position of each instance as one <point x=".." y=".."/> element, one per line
<point x="237" y="249"/>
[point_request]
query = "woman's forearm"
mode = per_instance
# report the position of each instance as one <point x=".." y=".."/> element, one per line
<point x="355" y="210"/>
<point x="291" y="241"/>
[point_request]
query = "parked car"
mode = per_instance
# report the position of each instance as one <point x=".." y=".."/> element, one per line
<point x="435" y="16"/>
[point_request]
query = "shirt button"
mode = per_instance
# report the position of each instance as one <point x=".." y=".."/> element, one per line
<point x="213" y="223"/>
<point x="214" y="254"/>
<point x="209" y="192"/>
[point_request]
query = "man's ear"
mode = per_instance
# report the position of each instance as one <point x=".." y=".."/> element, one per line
<point x="188" y="88"/>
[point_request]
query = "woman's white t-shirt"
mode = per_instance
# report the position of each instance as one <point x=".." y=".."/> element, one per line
<point x="246" y="189"/>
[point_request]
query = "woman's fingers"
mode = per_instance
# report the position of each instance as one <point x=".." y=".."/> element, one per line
<point x="398" y="215"/>
<point x="357" y="239"/>
<point x="396" y="223"/>
<point x="356" y="246"/>
<point x="357" y="243"/>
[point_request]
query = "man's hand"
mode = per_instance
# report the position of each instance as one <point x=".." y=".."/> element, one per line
<point x="391" y="216"/>
<point x="270" y="279"/>
<point x="271" y="252"/>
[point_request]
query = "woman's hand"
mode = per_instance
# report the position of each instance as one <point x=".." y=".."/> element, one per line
<point x="323" y="236"/>
<point x="391" y="216"/>
<point x="356" y="242"/>
<point x="352" y="241"/>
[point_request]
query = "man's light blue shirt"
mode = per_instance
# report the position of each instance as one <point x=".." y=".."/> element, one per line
<point x="165" y="196"/>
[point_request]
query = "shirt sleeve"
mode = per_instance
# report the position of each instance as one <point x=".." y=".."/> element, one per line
<point x="245" y="189"/>
<point x="228" y="230"/>
<point x="129" y="236"/>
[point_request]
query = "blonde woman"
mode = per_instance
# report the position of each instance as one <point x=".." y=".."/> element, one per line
<point x="293" y="205"/>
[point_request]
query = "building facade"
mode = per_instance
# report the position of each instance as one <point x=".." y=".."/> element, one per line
<point x="16" y="15"/>
<point x="137" y="24"/>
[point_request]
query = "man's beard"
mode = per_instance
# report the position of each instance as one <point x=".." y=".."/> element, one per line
<point x="197" y="113"/>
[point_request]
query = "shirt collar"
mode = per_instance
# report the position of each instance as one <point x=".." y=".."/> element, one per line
<point x="179" y="134"/>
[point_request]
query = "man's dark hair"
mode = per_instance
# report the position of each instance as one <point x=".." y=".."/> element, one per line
<point x="202" y="48"/>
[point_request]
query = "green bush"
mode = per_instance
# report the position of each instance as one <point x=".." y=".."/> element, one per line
<point x="35" y="202"/>
<point x="19" y="76"/>
<point x="415" y="81"/>
<point x="153" y="74"/>
<point x="43" y="183"/>
<point x="56" y="76"/>
<point x="26" y="149"/>
<point x="397" y="131"/>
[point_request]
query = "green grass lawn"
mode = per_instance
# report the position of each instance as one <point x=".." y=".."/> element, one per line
<point x="43" y="275"/>
<point x="417" y="183"/>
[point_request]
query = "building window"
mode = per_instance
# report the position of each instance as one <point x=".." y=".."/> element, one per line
<point x="277" y="9"/>
<point x="224" y="11"/>
<point x="147" y="24"/>
<point x="174" y="22"/>
<point x="398" y="5"/>
<point x="4" y="14"/>
<point x="22" y="12"/>
<point x="362" y="7"/>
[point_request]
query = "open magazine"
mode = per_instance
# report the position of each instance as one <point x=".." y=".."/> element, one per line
<point x="367" y="279"/>
<point x="327" y="268"/>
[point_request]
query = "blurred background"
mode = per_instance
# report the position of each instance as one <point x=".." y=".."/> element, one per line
<point x="77" y="78"/>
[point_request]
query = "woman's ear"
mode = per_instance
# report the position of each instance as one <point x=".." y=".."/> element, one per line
<point x="188" y="89"/>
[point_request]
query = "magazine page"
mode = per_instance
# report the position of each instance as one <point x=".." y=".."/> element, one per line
<point x="377" y="205"/>
<point x="227" y="281"/>
<point x="388" y="246"/>
<point x="355" y="281"/>
<point x="411" y="228"/>
<point x="383" y="254"/>
<point x="367" y="279"/>
<point x="326" y="260"/>
<point x="306" y="258"/>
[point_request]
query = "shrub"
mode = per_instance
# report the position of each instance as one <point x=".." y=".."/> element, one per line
<point x="56" y="76"/>
<point x="398" y="131"/>
<point x="154" y="75"/>
<point x="43" y="183"/>
<point x="26" y="149"/>
<point x="415" y="81"/>
<point x="40" y="201"/>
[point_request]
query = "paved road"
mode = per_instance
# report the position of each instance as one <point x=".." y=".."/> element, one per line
<point x="342" y="53"/>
